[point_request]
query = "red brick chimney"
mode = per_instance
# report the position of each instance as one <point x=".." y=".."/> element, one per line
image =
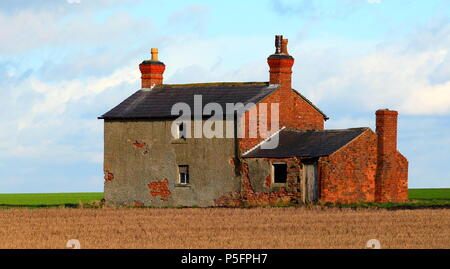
<point x="391" y="181"/>
<point x="386" y="128"/>
<point x="152" y="70"/>
<point x="280" y="64"/>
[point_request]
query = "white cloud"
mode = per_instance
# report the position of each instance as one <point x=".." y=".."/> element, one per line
<point x="191" y="58"/>
<point x="59" y="29"/>
<point x="57" y="95"/>
<point x="373" y="1"/>
<point x="408" y="74"/>
<point x="45" y="119"/>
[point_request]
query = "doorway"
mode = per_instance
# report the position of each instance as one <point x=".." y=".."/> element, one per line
<point x="310" y="182"/>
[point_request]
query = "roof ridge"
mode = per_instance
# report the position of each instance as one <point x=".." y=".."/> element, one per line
<point x="262" y="94"/>
<point x="211" y="84"/>
<point x="308" y="143"/>
<point x="327" y="130"/>
<point x="158" y="101"/>
<point x="311" y="103"/>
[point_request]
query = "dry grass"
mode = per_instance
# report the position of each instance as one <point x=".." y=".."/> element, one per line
<point x="224" y="228"/>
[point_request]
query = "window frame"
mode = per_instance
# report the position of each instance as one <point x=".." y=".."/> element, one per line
<point x="273" y="173"/>
<point x="186" y="173"/>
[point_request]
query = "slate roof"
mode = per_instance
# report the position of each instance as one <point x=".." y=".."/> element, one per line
<point x="310" y="144"/>
<point x="158" y="101"/>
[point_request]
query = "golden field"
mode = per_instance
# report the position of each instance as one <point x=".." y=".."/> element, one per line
<point x="224" y="228"/>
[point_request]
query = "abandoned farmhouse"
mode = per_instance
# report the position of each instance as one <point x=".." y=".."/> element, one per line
<point x="147" y="163"/>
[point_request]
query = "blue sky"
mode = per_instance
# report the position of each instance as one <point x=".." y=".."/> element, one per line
<point x="65" y="62"/>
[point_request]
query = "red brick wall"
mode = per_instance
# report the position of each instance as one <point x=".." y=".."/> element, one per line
<point x="392" y="179"/>
<point x="402" y="177"/>
<point x="348" y="175"/>
<point x="294" y="112"/>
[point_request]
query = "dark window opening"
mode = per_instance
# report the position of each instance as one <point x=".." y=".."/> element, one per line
<point x="183" y="174"/>
<point x="279" y="173"/>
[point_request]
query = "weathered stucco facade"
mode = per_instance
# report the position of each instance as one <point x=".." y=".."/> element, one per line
<point x="141" y="160"/>
<point x="146" y="164"/>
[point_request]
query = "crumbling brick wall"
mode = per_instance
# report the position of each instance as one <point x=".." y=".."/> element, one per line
<point x="257" y="188"/>
<point x="348" y="175"/>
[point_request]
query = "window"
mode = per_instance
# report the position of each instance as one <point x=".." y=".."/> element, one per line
<point x="182" y="130"/>
<point x="279" y="172"/>
<point x="183" y="174"/>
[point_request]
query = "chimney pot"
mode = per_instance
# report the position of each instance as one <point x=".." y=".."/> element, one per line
<point x="154" y="52"/>
<point x="284" y="47"/>
<point x="278" y="43"/>
<point x="152" y="70"/>
<point x="280" y="65"/>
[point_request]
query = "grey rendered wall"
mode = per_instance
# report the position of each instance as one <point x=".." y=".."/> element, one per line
<point x="141" y="159"/>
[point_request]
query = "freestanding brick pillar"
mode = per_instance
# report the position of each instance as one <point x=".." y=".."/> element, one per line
<point x="152" y="70"/>
<point x="391" y="175"/>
